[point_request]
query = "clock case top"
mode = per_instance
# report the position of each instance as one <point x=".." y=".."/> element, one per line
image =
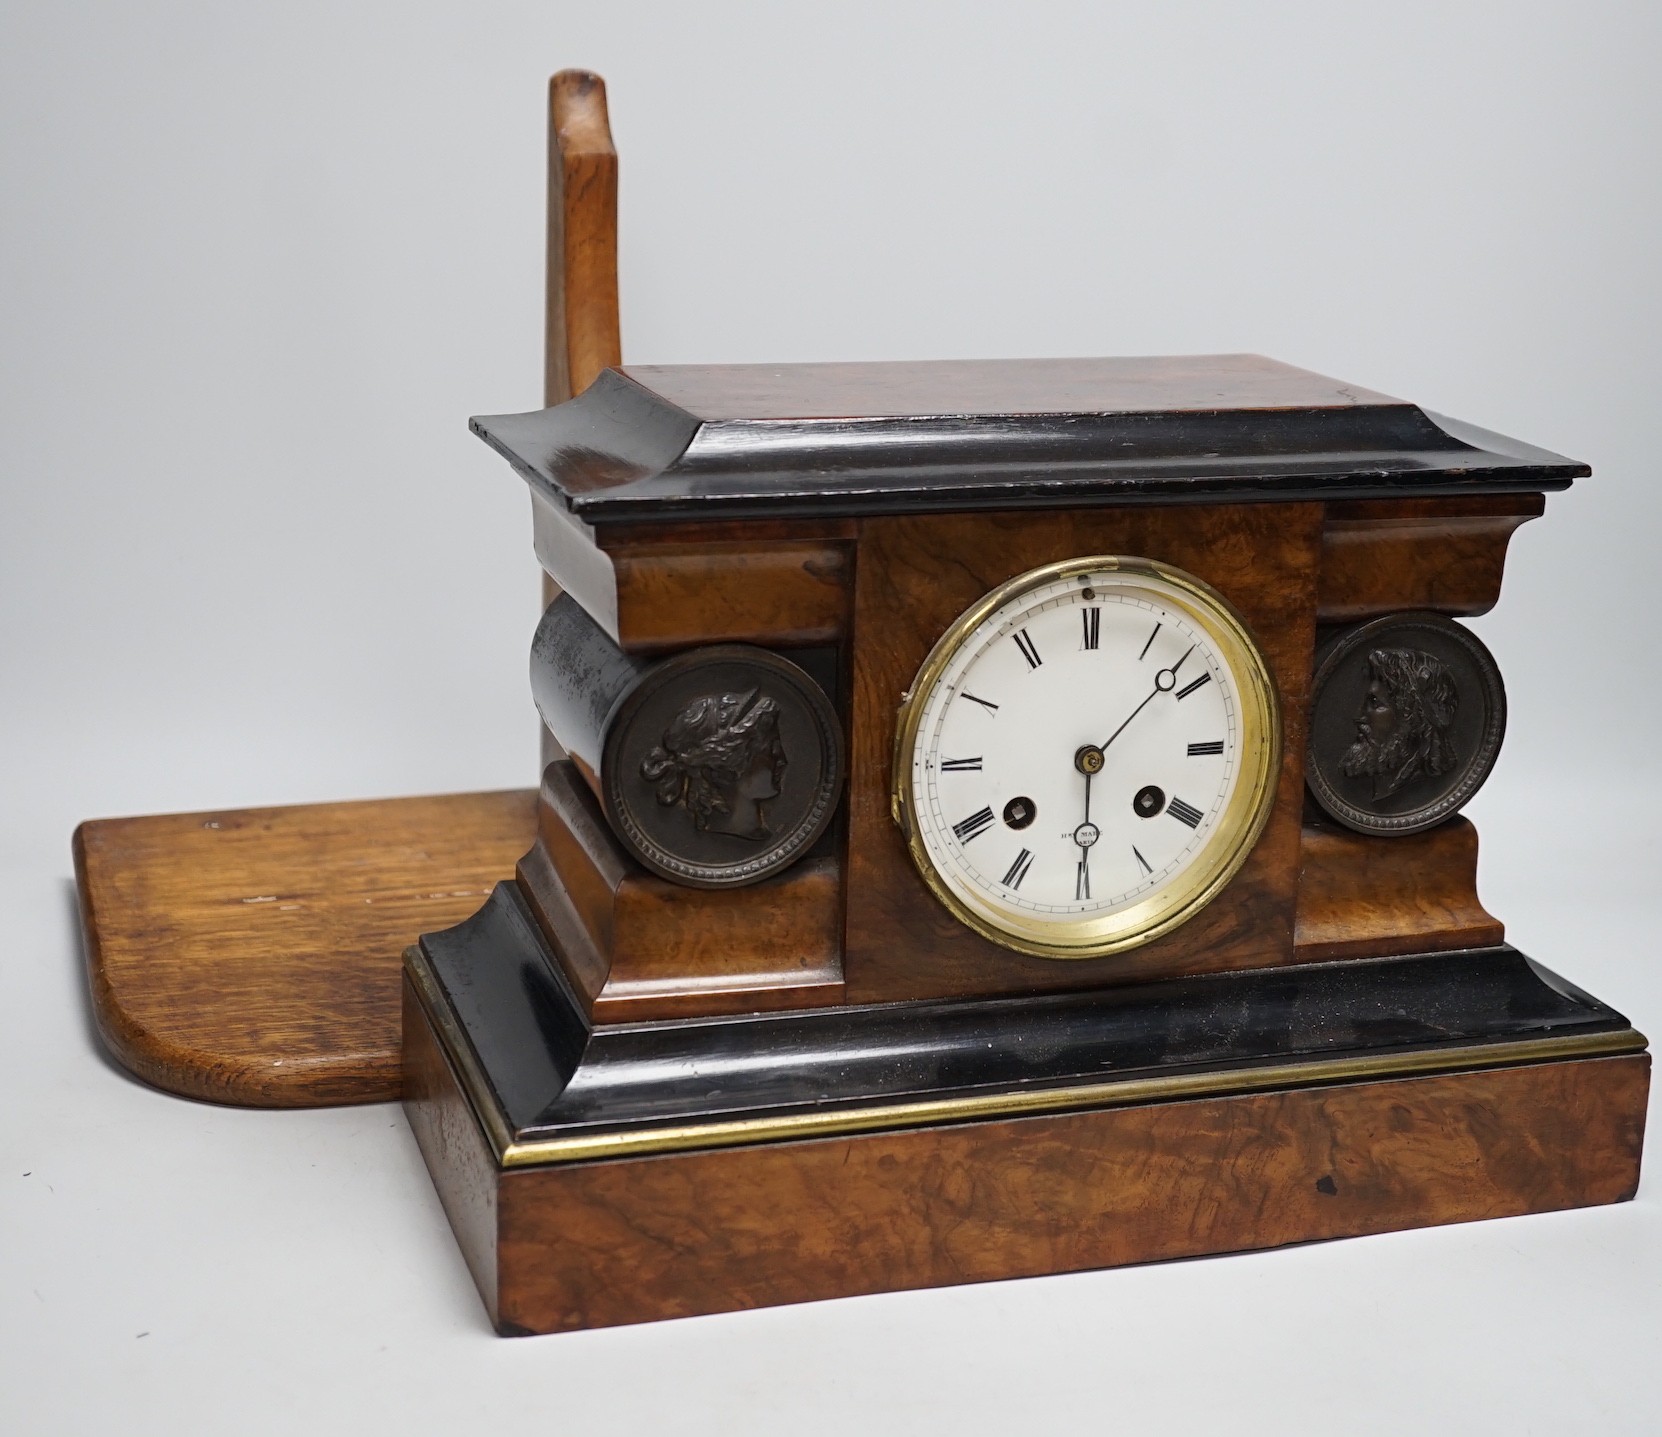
<point x="654" y="443"/>
<point x="854" y="510"/>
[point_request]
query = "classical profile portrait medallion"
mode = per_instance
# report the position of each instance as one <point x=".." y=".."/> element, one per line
<point x="722" y="765"/>
<point x="1407" y="713"/>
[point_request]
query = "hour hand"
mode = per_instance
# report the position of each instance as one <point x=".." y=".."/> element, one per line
<point x="1085" y="835"/>
<point x="1088" y="760"/>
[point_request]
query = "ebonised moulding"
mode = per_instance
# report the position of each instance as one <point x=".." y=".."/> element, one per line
<point x="664" y="442"/>
<point x="552" y="1087"/>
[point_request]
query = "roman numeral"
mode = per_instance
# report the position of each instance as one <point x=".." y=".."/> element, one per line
<point x="1200" y="750"/>
<point x="974" y="824"/>
<point x="1082" y="882"/>
<point x="1189" y="688"/>
<point x="960" y="765"/>
<point x="1184" y="812"/>
<point x="1148" y="645"/>
<point x="1141" y="859"/>
<point x="1028" y="652"/>
<point x="987" y="704"/>
<point x="1092" y="620"/>
<point x="1018" y="869"/>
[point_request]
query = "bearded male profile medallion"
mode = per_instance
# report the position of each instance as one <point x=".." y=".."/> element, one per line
<point x="1407" y="713"/>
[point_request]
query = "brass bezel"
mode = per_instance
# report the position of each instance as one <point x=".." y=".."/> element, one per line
<point x="1242" y="823"/>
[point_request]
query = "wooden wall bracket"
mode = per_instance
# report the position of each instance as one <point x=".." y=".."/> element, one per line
<point x="251" y="956"/>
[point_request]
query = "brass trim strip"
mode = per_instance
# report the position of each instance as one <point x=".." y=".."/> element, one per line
<point x="1126" y="1092"/>
<point x="590" y="1147"/>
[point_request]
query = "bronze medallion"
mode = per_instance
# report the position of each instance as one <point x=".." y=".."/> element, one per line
<point x="1407" y="713"/>
<point x="721" y="766"/>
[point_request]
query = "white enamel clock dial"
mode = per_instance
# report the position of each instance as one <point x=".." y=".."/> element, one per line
<point x="1087" y="756"/>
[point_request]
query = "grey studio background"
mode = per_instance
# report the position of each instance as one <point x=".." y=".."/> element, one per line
<point x="260" y="262"/>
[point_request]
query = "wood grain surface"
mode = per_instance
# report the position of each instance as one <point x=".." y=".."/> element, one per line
<point x="635" y="946"/>
<point x="915" y="575"/>
<point x="771" y="588"/>
<point x="252" y="956"/>
<point x="581" y="323"/>
<point x="658" y="587"/>
<point x="1124" y="384"/>
<point x="1366" y="897"/>
<point x="595" y="1244"/>
<point x="463" y="1166"/>
<point x="1379" y="556"/>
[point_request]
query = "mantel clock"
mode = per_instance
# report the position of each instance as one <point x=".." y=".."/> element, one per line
<point x="995" y="819"/>
<point x="999" y="818"/>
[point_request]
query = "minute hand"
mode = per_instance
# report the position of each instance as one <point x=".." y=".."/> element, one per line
<point x="1164" y="682"/>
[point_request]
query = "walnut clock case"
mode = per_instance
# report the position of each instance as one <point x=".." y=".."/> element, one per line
<point x="1005" y="822"/>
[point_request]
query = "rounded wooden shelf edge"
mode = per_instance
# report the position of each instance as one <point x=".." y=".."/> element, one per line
<point x="204" y="986"/>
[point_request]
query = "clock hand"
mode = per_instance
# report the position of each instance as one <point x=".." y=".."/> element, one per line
<point x="1088" y="761"/>
<point x="1164" y="682"/>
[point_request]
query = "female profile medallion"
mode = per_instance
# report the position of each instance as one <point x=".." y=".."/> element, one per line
<point x="721" y="766"/>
